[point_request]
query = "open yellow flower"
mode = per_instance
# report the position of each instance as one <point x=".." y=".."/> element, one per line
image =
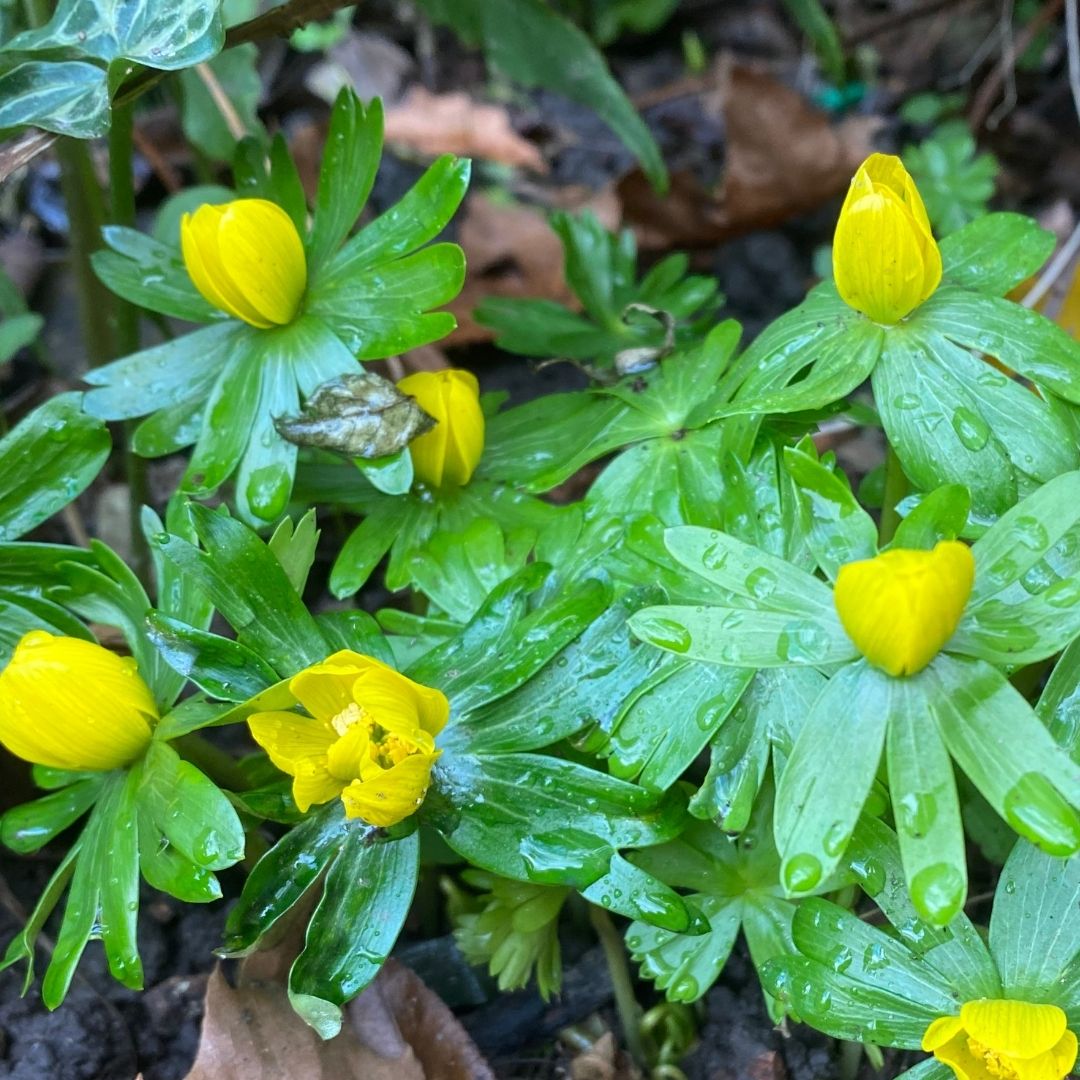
<point x="369" y="737"/>
<point x="885" y="259"/>
<point x="1003" y="1040"/>
<point x="448" y="454"/>
<point x="246" y="258"/>
<point x="72" y="704"/>
<point x="900" y="607"/>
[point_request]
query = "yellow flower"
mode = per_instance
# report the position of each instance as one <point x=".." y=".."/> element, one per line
<point x="246" y="258"/>
<point x="368" y="738"/>
<point x="449" y="453"/>
<point x="1003" y="1040"/>
<point x="885" y="259"/>
<point x="72" y="704"/>
<point x="900" y="607"/>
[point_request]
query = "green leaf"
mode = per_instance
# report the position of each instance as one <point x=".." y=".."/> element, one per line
<point x="532" y="44"/>
<point x="150" y="273"/>
<point x="29" y="827"/>
<point x="925" y="805"/>
<point x="282" y="876"/>
<point x="249" y="587"/>
<point x="18" y="331"/>
<point x="1035" y="923"/>
<point x="189" y="810"/>
<point x="536" y="818"/>
<point x="938" y="422"/>
<point x="186" y="33"/>
<point x="222" y="668"/>
<point x="992" y="733"/>
<point x="163" y="375"/>
<point x="829" y="774"/>
<point x="67" y="97"/>
<point x="1018" y="337"/>
<point x="995" y="252"/>
<point x="368" y="543"/>
<point x="392" y="475"/>
<point x="629" y="891"/>
<point x="365" y="900"/>
<point x="587" y="682"/>
<point x="904" y="994"/>
<point x="658" y="734"/>
<point x="1005" y="553"/>
<point x="838" y="530"/>
<point x="46" y="460"/>
<point x="104" y="893"/>
<point x="503" y="646"/>
<point x="294" y="547"/>
<point x="349" y="164"/>
<point x="201" y="116"/>
<point x="941" y="515"/>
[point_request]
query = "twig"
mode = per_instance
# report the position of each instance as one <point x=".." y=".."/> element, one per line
<point x="170" y="179"/>
<point x="897" y="18"/>
<point x="1072" y="42"/>
<point x="279" y="21"/>
<point x="989" y="90"/>
<point x="1054" y="269"/>
<point x="224" y="106"/>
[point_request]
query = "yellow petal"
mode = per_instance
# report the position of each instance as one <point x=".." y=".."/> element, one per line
<point x="290" y="740"/>
<point x="313" y="785"/>
<point x="885" y="259"/>
<point x="901" y="607"/>
<point x="347" y="755"/>
<point x="449" y="453"/>
<point x="325" y="689"/>
<point x="263" y="255"/>
<point x="72" y="704"/>
<point x="394" y="795"/>
<point x="1016" y="1029"/>
<point x="202" y="258"/>
<point x="1064" y="1055"/>
<point x="941" y="1031"/>
<point x="394" y="700"/>
<point x="957" y="1054"/>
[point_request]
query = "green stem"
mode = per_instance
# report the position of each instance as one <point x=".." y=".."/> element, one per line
<point x="896" y="487"/>
<point x="220" y="766"/>
<point x="851" y="1054"/>
<point x="122" y="186"/>
<point x="86" y="215"/>
<point x="626" y="1003"/>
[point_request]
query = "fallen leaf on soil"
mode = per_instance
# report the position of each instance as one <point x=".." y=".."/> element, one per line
<point x="397" y="1029"/>
<point x="512" y="251"/>
<point x="783" y="157"/>
<point x="455" y="123"/>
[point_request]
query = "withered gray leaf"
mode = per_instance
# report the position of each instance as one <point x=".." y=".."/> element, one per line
<point x="361" y="415"/>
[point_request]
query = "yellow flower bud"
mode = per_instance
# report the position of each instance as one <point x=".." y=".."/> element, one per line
<point x="996" y="1039"/>
<point x="900" y="607"/>
<point x="72" y="704"/>
<point x="447" y="455"/>
<point x="368" y="738"/>
<point x="246" y="258"/>
<point x="885" y="259"/>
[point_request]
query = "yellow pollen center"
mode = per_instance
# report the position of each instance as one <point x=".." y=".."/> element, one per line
<point x="995" y="1064"/>
<point x="351" y="714"/>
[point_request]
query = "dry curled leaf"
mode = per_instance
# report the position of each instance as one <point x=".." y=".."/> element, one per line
<point x="782" y="157"/>
<point x="433" y="124"/>
<point x="361" y="415"/>
<point x="397" y="1029"/>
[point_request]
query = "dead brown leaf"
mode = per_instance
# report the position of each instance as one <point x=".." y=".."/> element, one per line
<point x="604" y="1061"/>
<point x="512" y="251"/>
<point x="433" y="124"/>
<point x="397" y="1029"/>
<point x="783" y="157"/>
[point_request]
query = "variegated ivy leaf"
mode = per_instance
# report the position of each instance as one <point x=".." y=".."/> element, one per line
<point x="358" y="415"/>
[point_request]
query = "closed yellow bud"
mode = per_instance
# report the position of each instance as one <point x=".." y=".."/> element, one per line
<point x="72" y="704"/>
<point x="246" y="258"/>
<point x="999" y="1039"/>
<point x="885" y="259"/>
<point x="900" y="607"/>
<point x="447" y="455"/>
